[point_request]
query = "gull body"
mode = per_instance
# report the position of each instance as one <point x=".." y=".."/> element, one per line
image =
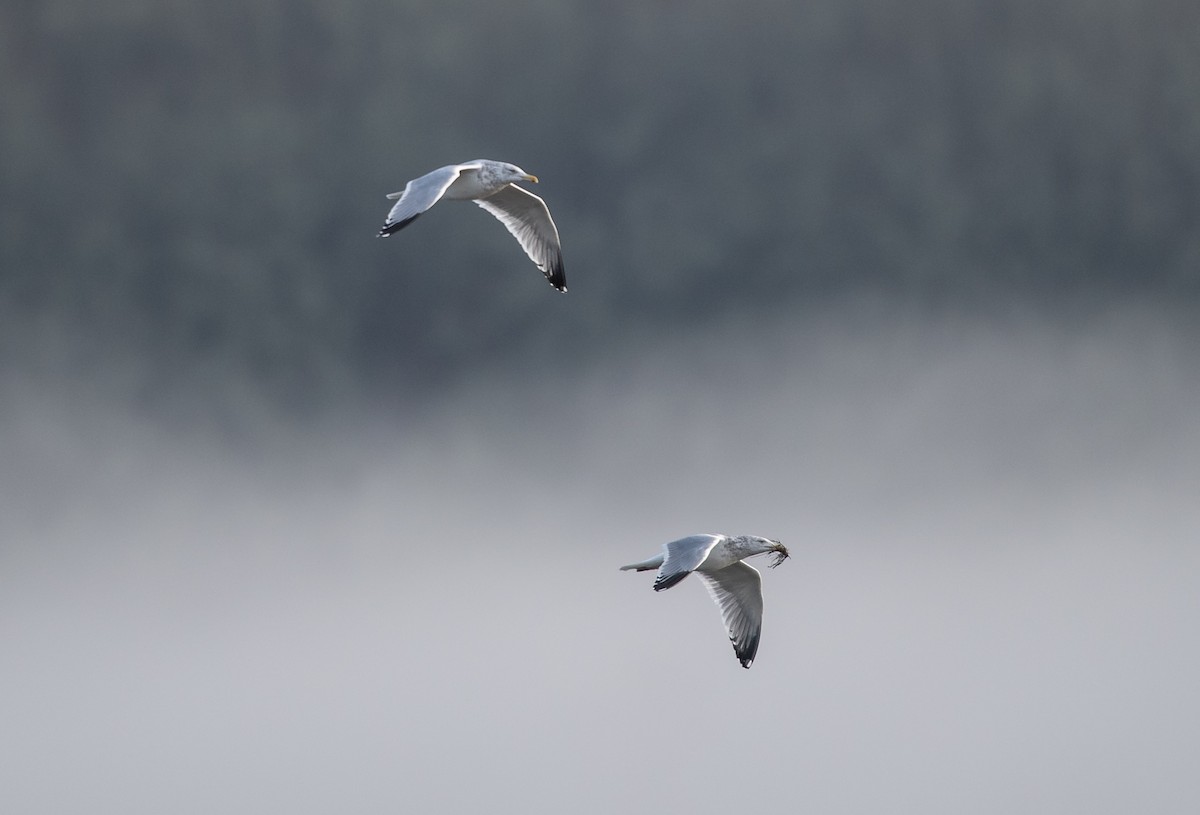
<point x="735" y="586"/>
<point x="491" y="185"/>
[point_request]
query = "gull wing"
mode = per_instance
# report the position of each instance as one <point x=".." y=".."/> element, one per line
<point x="527" y="218"/>
<point x="682" y="558"/>
<point x="737" y="591"/>
<point x="419" y="195"/>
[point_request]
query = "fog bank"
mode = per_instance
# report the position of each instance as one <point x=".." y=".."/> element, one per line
<point x="990" y="606"/>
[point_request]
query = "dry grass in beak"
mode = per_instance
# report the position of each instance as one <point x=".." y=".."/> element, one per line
<point x="779" y="555"/>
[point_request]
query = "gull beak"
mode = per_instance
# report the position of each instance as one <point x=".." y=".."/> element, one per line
<point x="532" y="178"/>
<point x="780" y="553"/>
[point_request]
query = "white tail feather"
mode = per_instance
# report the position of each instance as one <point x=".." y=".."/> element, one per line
<point x="645" y="565"/>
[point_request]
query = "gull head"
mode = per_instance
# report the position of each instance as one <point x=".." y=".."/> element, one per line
<point x="779" y="553"/>
<point x="514" y="173"/>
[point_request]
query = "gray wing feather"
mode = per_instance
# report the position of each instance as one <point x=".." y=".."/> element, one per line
<point x="419" y="195"/>
<point x="527" y="218"/>
<point x="682" y="558"/>
<point x="737" y="591"/>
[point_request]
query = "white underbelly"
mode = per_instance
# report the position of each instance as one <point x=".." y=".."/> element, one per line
<point x="717" y="559"/>
<point x="467" y="187"/>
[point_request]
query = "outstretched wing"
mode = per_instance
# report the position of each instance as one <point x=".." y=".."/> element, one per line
<point x="419" y="195"/>
<point x="682" y="558"/>
<point x="737" y="590"/>
<point x="527" y="218"/>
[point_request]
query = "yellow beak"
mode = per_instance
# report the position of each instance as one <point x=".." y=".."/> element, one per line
<point x="532" y="178"/>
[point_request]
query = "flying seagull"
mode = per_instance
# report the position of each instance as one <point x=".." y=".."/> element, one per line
<point x="735" y="586"/>
<point x="491" y="184"/>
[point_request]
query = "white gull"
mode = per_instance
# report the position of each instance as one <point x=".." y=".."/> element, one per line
<point x="490" y="184"/>
<point x="735" y="586"/>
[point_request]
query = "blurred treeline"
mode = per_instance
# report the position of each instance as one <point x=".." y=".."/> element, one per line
<point x="190" y="190"/>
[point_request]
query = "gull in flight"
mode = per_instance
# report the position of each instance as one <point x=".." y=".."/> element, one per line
<point x="491" y="184"/>
<point x="735" y="586"/>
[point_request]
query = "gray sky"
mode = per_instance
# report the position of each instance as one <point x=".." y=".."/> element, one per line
<point x="990" y="607"/>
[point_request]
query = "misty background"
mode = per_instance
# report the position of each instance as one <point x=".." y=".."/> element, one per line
<point x="296" y="519"/>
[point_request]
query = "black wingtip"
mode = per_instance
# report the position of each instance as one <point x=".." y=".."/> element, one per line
<point x="746" y="653"/>
<point x="556" y="276"/>
<point x="668" y="582"/>
<point x="389" y="229"/>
